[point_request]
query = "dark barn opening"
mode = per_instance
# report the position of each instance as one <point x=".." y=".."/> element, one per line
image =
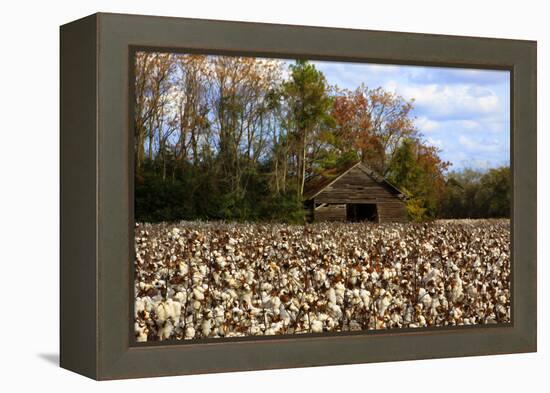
<point x="356" y="212"/>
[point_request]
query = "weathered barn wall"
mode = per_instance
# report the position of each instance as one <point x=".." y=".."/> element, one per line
<point x="392" y="212"/>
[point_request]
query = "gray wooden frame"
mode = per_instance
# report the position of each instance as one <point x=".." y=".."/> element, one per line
<point x="97" y="206"/>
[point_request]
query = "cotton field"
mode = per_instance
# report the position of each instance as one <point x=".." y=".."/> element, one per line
<point x="198" y="280"/>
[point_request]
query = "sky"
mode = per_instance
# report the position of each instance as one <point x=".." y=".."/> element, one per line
<point x="464" y="112"/>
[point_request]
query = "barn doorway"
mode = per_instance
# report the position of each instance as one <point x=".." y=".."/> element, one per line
<point x="356" y="212"/>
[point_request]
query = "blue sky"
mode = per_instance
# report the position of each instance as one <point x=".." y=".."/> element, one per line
<point x="464" y="112"/>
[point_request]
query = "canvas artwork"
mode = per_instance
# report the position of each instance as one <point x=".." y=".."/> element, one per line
<point x="283" y="197"/>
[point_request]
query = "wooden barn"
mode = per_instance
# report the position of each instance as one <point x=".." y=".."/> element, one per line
<point x="355" y="193"/>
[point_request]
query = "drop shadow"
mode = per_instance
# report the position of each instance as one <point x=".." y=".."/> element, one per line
<point x="52" y="358"/>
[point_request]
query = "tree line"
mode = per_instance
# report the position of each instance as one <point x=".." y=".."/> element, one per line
<point x="221" y="137"/>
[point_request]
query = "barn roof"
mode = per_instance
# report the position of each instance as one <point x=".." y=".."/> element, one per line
<point x="316" y="184"/>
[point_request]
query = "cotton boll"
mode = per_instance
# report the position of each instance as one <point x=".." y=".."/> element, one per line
<point x="383" y="303"/>
<point x="331" y="294"/>
<point x="456" y="288"/>
<point x="165" y="331"/>
<point x="335" y="311"/>
<point x="162" y="312"/>
<point x="317" y="326"/>
<point x="354" y="325"/>
<point x="340" y="290"/>
<point x="198" y="293"/>
<point x="189" y="332"/>
<point x="255" y="330"/>
<point x="285" y="316"/>
<point x="206" y="327"/>
<point x="365" y="297"/>
<point x="139" y="306"/>
<point x="247" y="298"/>
<point x="220" y="261"/>
<point x="181" y="297"/>
<point x="141" y="332"/>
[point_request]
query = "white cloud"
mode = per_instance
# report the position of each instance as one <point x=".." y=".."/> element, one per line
<point x="485" y="146"/>
<point x="391" y="86"/>
<point x="424" y="124"/>
<point x="451" y="101"/>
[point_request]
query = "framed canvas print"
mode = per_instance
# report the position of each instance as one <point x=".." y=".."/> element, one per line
<point x="241" y="196"/>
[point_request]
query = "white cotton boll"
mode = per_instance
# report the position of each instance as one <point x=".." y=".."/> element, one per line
<point x="275" y="302"/>
<point x="409" y="312"/>
<point x="354" y="325"/>
<point x="219" y="314"/>
<point x="434" y="305"/>
<point x="319" y="275"/>
<point x="285" y="316"/>
<point x="426" y="300"/>
<point x="255" y="311"/>
<point x="421" y="320"/>
<point x="255" y="330"/>
<point x="247" y="297"/>
<point x="340" y="290"/>
<point x="396" y="319"/>
<point x="175" y="310"/>
<point x="277" y="327"/>
<point x="456" y="288"/>
<point x="162" y="312"/>
<point x="456" y="313"/>
<point x="189" y="332"/>
<point x="198" y="293"/>
<point x="141" y="331"/>
<point x="432" y="274"/>
<point x="317" y="326"/>
<point x="388" y="273"/>
<point x="323" y="317"/>
<point x="331" y="294"/>
<point x="335" y="311"/>
<point x="383" y="305"/>
<point x="184" y="269"/>
<point x="501" y="309"/>
<point x="180" y="297"/>
<point x="266" y="299"/>
<point x="220" y="261"/>
<point x="206" y="327"/>
<point x="165" y="331"/>
<point x="266" y="287"/>
<point x="477" y="262"/>
<point x="229" y="248"/>
<point x="196" y="305"/>
<point x="140" y="305"/>
<point x="365" y="297"/>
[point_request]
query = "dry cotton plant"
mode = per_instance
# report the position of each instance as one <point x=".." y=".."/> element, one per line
<point x="211" y="279"/>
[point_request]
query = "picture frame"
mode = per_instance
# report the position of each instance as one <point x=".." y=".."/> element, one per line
<point x="96" y="195"/>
